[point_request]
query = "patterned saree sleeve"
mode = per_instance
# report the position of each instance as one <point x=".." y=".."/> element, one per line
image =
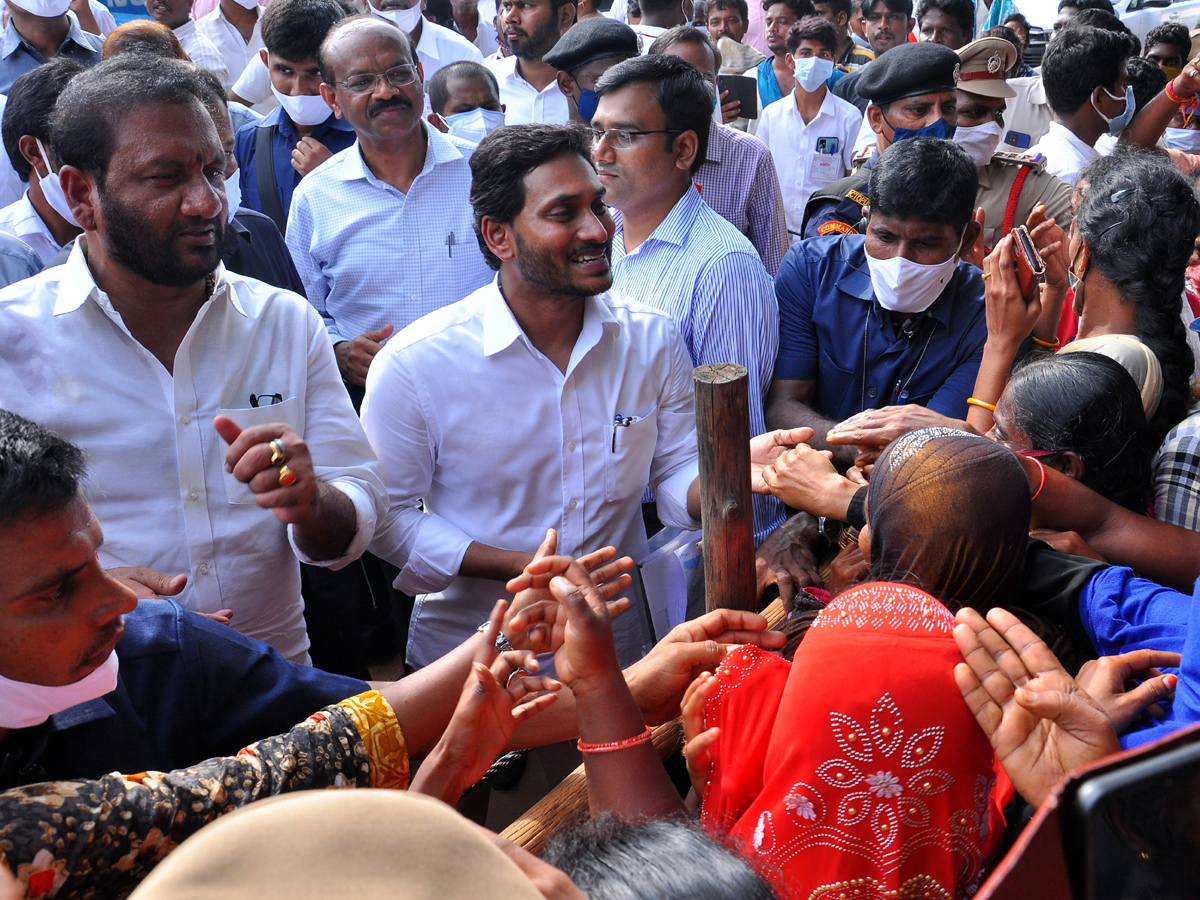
<point x="91" y="839"/>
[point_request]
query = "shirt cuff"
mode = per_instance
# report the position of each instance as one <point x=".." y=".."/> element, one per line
<point x="365" y="519"/>
<point x="436" y="557"/>
<point x="381" y="737"/>
<point x="672" y="495"/>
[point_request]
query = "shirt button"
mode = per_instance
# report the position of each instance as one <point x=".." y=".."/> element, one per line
<point x="411" y="252"/>
<point x="572" y="504"/>
<point x="571" y="446"/>
<point x="185" y="418"/>
<point x="871" y="392"/>
<point x="204" y="568"/>
<point x="193" y="494"/>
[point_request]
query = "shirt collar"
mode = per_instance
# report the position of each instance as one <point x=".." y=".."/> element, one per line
<point x="429" y="44"/>
<point x="77" y="285"/>
<point x="13" y="39"/>
<point x="501" y="331"/>
<point x="1076" y="143"/>
<point x="716" y="143"/>
<point x="438" y="149"/>
<point x="81" y="714"/>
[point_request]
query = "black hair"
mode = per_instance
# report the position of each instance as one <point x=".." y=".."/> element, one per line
<point x="1090" y="404"/>
<point x="1172" y="33"/>
<point x="838" y="7"/>
<point x="961" y="10"/>
<point x="503" y="159"/>
<point x="609" y="859"/>
<point x="738" y="6"/>
<point x="904" y="6"/>
<point x="685" y="34"/>
<point x="294" y="29"/>
<point x="1140" y="218"/>
<point x="1019" y="19"/>
<point x="439" y="84"/>
<point x="800" y="8"/>
<point x="352" y="21"/>
<point x="39" y="471"/>
<point x="928" y="180"/>
<point x="1102" y="18"/>
<point x="1146" y="78"/>
<point x="1080" y="59"/>
<point x="649" y="7"/>
<point x="684" y="95"/>
<point x="1081" y="5"/>
<point x="440" y="12"/>
<point x="812" y="28"/>
<point x="84" y="125"/>
<point x="30" y="106"/>
<point x="635" y="8"/>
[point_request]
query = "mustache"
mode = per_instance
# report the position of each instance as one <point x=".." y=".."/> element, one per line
<point x="111" y="633"/>
<point x="380" y="105"/>
<point x="590" y="250"/>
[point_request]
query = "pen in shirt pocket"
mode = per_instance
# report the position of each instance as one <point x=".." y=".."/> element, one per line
<point x="620" y="421"/>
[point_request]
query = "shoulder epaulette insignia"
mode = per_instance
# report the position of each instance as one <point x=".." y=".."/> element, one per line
<point x="1036" y="161"/>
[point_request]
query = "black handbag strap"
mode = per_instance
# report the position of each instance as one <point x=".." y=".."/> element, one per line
<point x="264" y="172"/>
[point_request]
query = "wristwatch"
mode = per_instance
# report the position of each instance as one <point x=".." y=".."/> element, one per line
<point x="502" y="643"/>
<point x="830" y="529"/>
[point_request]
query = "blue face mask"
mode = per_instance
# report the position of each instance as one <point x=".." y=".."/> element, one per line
<point x="588" y="101"/>
<point x="1117" y="123"/>
<point x="939" y="129"/>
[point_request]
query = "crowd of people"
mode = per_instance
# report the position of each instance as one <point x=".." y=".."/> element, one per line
<point x="357" y="327"/>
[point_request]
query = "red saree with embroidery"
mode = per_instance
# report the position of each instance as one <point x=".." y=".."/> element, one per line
<point x="856" y="771"/>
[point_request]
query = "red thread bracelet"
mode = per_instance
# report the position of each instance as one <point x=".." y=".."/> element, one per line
<point x="1038" y="492"/>
<point x="1176" y="99"/>
<point x="612" y="746"/>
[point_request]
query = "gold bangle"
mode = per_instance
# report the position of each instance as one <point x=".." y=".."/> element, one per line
<point x="990" y="407"/>
<point x="1050" y="344"/>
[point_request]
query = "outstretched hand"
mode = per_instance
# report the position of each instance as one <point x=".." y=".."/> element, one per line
<point x="766" y="448"/>
<point x="1130" y="684"/>
<point x="587" y="655"/>
<point x="495" y="700"/>
<point x="1041" y="724"/>
<point x="698" y="741"/>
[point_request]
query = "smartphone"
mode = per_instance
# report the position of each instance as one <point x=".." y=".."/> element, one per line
<point x="1017" y="139"/>
<point x="742" y="88"/>
<point x="1031" y="270"/>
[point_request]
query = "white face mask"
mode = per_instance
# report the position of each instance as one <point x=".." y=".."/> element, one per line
<point x="904" y="286"/>
<point x="307" y="109"/>
<point x="247" y="4"/>
<point x="25" y="705"/>
<point x="980" y="141"/>
<point x="475" y="124"/>
<point x="52" y="188"/>
<point x="407" y="19"/>
<point x="233" y="193"/>
<point x="47" y="9"/>
<point x="1185" y="139"/>
<point x="811" y="72"/>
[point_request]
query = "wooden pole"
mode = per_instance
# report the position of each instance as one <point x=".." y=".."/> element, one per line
<point x="723" y="435"/>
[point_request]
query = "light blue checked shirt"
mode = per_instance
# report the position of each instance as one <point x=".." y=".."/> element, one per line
<point x="370" y="255"/>
<point x="707" y="276"/>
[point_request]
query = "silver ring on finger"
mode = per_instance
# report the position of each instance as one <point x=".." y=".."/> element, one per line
<point x="513" y="674"/>
<point x="278" y="452"/>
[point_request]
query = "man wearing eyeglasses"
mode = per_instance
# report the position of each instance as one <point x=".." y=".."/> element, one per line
<point x="672" y="250"/>
<point x="382" y="233"/>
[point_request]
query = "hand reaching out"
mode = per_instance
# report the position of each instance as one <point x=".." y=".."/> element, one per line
<point x="698" y="740"/>
<point x="1127" y="685"/>
<point x="1040" y="722"/>
<point x="766" y="448"/>
<point x="494" y="701"/>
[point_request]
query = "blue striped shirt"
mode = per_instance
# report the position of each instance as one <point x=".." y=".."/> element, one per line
<point x="370" y="255"/>
<point x="707" y="276"/>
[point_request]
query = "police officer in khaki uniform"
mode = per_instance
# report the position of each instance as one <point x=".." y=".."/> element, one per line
<point x="1011" y="182"/>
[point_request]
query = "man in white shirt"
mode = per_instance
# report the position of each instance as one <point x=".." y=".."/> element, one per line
<point x="473" y="26"/>
<point x="233" y="29"/>
<point x="41" y="217"/>
<point x="578" y="400"/>
<point x="529" y="85"/>
<point x="1084" y="76"/>
<point x="382" y="233"/>
<point x="177" y="15"/>
<point x="810" y="132"/>
<point x="221" y="441"/>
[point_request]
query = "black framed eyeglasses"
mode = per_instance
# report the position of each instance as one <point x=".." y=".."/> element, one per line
<point x="400" y="76"/>
<point x="622" y="139"/>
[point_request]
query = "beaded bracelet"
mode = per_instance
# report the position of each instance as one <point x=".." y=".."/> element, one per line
<point x="1038" y="492"/>
<point x="982" y="404"/>
<point x="612" y="746"/>
<point x="1050" y="344"/>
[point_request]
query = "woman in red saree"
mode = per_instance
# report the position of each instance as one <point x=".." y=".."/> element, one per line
<point x="856" y="771"/>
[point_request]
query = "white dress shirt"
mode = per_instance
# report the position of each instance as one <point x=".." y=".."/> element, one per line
<point x="523" y="448"/>
<point x="234" y="49"/>
<point x="22" y="221"/>
<point x="1027" y="116"/>
<point x="1066" y="155"/>
<point x="439" y="46"/>
<point x="203" y="52"/>
<point x="647" y="35"/>
<point x="254" y="86"/>
<point x="808" y="156"/>
<point x="156" y="476"/>
<point x="12" y="188"/>
<point x="485" y="36"/>
<point x="523" y="103"/>
<point x="371" y="256"/>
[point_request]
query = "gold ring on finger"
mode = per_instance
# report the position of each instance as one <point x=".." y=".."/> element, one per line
<point x="286" y="476"/>
<point x="278" y="452"/>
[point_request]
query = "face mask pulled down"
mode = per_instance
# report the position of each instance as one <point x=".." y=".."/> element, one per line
<point x="25" y="705"/>
<point x="52" y="188"/>
<point x="407" y="19"/>
<point x="904" y="286"/>
<point x="1117" y="123"/>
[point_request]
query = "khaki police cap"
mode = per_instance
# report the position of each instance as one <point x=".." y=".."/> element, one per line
<point x="983" y="66"/>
